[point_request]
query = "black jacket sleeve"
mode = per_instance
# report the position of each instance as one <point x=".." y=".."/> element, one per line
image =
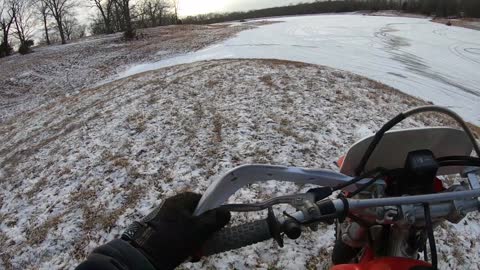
<point x="116" y="255"/>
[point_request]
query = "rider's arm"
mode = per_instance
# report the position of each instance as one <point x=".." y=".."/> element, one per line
<point x="162" y="240"/>
<point x="116" y="255"/>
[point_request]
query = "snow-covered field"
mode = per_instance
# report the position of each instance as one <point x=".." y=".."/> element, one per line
<point x="77" y="171"/>
<point x="28" y="81"/>
<point x="79" y="161"/>
<point x="432" y="61"/>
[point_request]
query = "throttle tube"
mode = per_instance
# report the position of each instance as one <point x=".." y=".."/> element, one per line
<point x="236" y="237"/>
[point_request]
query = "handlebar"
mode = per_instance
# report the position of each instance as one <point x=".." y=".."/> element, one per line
<point x="236" y="237"/>
<point x="443" y="205"/>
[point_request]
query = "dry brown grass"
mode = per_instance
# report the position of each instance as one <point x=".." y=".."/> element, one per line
<point x="38" y="234"/>
<point x="99" y="218"/>
<point x="59" y="131"/>
<point x="212" y="83"/>
<point x="339" y="74"/>
<point x="138" y="122"/>
<point x="459" y="255"/>
<point x="152" y="99"/>
<point x="83" y="195"/>
<point x="198" y="109"/>
<point x="107" y="155"/>
<point x="217" y="127"/>
<point x="6" y="261"/>
<point x="133" y="173"/>
<point x="342" y="96"/>
<point x="430" y="118"/>
<point x="285" y="127"/>
<point x="267" y="80"/>
<point x="65" y="171"/>
<point x="289" y="132"/>
<point x="275" y="62"/>
<point x="475" y="129"/>
<point x="121" y="162"/>
<point x="166" y="176"/>
<point x="37" y="187"/>
<point x="262" y="156"/>
<point x="4" y="129"/>
<point x="4" y="257"/>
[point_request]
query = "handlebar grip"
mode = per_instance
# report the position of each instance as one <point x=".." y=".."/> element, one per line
<point x="236" y="237"/>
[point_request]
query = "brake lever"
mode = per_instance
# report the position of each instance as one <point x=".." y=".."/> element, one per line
<point x="297" y="201"/>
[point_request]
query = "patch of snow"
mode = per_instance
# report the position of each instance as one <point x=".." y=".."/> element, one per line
<point x="163" y="52"/>
<point x="363" y="131"/>
<point x="435" y="62"/>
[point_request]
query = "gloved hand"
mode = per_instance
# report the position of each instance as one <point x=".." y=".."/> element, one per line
<point x="170" y="234"/>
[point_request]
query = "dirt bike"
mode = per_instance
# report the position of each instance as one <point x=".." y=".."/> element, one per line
<point x="385" y="200"/>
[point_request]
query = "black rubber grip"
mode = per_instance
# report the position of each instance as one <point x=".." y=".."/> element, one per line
<point x="236" y="237"/>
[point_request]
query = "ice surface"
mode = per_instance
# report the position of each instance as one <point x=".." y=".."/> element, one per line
<point x="432" y="61"/>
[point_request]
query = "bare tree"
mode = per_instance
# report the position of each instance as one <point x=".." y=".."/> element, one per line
<point x="124" y="8"/>
<point x="69" y="23"/>
<point x="72" y="28"/>
<point x="23" y="18"/>
<point x="153" y="11"/>
<point x="106" y="11"/>
<point x="6" y="21"/>
<point x="175" y="4"/>
<point x="58" y="9"/>
<point x="43" y="13"/>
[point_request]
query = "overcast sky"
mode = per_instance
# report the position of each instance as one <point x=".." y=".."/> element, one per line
<point x="194" y="7"/>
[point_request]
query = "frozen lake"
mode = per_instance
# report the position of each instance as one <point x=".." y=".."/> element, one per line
<point x="431" y="61"/>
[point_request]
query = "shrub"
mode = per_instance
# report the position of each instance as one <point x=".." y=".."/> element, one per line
<point x="25" y="47"/>
<point x="5" y="50"/>
<point x="129" y="34"/>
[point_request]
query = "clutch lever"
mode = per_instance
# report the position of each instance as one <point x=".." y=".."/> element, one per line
<point x="296" y="200"/>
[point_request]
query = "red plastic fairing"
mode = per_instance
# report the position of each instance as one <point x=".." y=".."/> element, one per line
<point x="340" y="161"/>
<point x="438" y="185"/>
<point x="386" y="263"/>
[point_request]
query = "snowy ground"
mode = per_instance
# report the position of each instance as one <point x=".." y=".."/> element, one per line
<point x="78" y="171"/>
<point x="432" y="61"/>
<point x="28" y="81"/>
<point x="81" y="158"/>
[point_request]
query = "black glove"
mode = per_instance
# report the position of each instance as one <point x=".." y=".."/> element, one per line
<point x="170" y="234"/>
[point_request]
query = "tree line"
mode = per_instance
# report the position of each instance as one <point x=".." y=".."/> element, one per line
<point x="441" y="8"/>
<point x="120" y="16"/>
<point x="20" y="18"/>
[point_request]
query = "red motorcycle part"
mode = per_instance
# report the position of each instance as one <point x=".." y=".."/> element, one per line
<point x="368" y="262"/>
<point x="385" y="263"/>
